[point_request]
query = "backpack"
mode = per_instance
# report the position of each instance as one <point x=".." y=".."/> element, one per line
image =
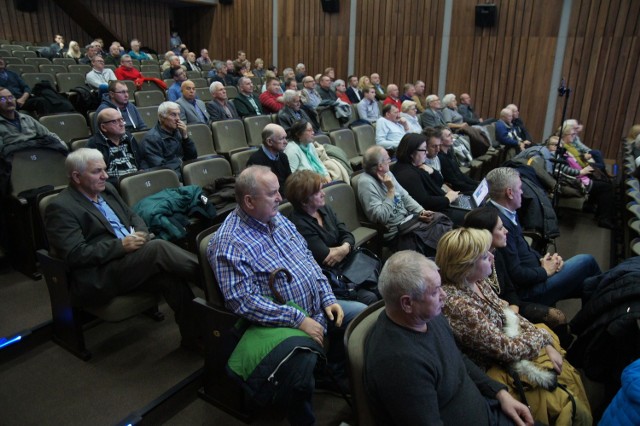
<point x="46" y="100"/>
<point x="86" y="99"/>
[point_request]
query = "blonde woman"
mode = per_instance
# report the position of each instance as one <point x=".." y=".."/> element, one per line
<point x="74" y="51"/>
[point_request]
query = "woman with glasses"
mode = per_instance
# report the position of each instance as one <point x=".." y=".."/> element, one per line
<point x="419" y="180"/>
<point x="300" y="151"/>
<point x="410" y="113"/>
<point x="409" y="226"/>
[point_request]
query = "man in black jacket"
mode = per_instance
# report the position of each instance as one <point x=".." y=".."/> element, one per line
<point x="247" y="103"/>
<point x="121" y="151"/>
<point x="451" y="172"/>
<point x="271" y="154"/>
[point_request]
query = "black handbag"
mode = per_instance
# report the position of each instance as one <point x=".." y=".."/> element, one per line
<point x="359" y="270"/>
<point x="362" y="268"/>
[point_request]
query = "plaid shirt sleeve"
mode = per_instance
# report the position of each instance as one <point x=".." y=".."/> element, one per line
<point x="243" y="255"/>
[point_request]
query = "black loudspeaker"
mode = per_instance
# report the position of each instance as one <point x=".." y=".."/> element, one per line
<point x="26" y="5"/>
<point x="486" y="15"/>
<point x="226" y="1"/>
<point x="330" y="6"/>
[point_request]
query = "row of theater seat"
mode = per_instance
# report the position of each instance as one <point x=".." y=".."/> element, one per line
<point x="632" y="200"/>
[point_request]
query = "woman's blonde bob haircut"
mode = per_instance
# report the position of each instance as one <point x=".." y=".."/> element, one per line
<point x="458" y="251"/>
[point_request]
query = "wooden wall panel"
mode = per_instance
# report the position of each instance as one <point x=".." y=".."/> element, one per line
<point x="244" y="25"/>
<point x="39" y="26"/>
<point x="509" y="63"/>
<point x="601" y="66"/>
<point x="306" y="34"/>
<point x="194" y="24"/>
<point x="147" y="20"/>
<point x="400" y="40"/>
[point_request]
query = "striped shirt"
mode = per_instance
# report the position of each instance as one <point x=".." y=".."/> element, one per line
<point x="244" y="252"/>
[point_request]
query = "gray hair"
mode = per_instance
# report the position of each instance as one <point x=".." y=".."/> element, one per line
<point x="431" y="98"/>
<point x="300" y="66"/>
<point x="164" y="108"/>
<point x="372" y="158"/>
<point x="407" y="105"/>
<point x="215" y="86"/>
<point x="403" y="274"/>
<point x="500" y="179"/>
<point x="247" y="182"/>
<point x="220" y="65"/>
<point x="240" y="81"/>
<point x="77" y="160"/>
<point x="289" y="95"/>
<point x="448" y="98"/>
<point x="267" y="132"/>
<point x="336" y="83"/>
<point x="124" y="57"/>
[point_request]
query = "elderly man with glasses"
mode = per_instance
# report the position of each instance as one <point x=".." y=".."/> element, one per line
<point x="16" y="127"/>
<point x="121" y="151"/>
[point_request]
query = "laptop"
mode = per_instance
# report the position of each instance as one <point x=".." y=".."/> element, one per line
<point x="466" y="202"/>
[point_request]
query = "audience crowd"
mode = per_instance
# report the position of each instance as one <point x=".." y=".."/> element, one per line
<point x="411" y="179"/>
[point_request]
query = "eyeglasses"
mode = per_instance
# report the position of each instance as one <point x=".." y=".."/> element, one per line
<point x="122" y="92"/>
<point x="421" y="150"/>
<point x="9" y="98"/>
<point x="117" y="120"/>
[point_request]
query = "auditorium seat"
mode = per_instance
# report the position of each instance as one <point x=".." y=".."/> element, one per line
<point x="64" y="61"/>
<point x="52" y="69"/>
<point x="149" y="98"/>
<point x="228" y="136"/>
<point x="253" y="127"/>
<point x="345" y="140"/>
<point x="203" y="94"/>
<point x="239" y="159"/>
<point x="79" y="68"/>
<point x="31" y="79"/>
<point x="149" y="115"/>
<point x="36" y="61"/>
<point x="67" y="81"/>
<point x="136" y="186"/>
<point x="68" y="126"/>
<point x="355" y="338"/>
<point x="22" y="68"/>
<point x="200" y="134"/>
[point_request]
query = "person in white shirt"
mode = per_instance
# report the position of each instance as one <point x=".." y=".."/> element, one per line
<point x="99" y="76"/>
<point x="390" y="128"/>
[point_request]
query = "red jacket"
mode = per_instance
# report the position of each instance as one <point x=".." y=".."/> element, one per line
<point x="269" y="102"/>
<point x="389" y="100"/>
<point x="123" y="73"/>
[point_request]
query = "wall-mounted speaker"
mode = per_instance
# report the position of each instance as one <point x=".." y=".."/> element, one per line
<point x="486" y="15"/>
<point x="330" y="6"/>
<point x="226" y="1"/>
<point x="26" y="5"/>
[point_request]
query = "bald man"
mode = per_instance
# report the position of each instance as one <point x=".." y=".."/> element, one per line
<point x="271" y="154"/>
<point x="192" y="110"/>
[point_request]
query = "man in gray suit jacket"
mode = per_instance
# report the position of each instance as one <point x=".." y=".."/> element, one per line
<point x="432" y="116"/>
<point x="107" y="246"/>
<point x="192" y="110"/>
<point x="220" y="108"/>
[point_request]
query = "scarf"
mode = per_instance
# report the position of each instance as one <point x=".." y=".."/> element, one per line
<point x="315" y="163"/>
